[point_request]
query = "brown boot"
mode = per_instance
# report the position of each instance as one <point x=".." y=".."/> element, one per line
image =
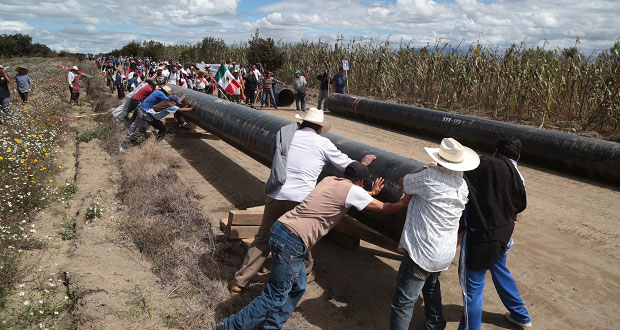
<point x="234" y="288"/>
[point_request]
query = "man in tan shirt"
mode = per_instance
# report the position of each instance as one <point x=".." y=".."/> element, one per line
<point x="296" y="232"/>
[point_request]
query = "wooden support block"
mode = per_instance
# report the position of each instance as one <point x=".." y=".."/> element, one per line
<point x="238" y="231"/>
<point x="345" y="241"/>
<point x="260" y="209"/>
<point x="359" y="230"/>
<point x="245" y="217"/>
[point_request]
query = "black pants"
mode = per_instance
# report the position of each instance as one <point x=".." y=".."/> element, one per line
<point x="142" y="123"/>
<point x="24" y="96"/>
<point x="250" y="95"/>
<point x="75" y="97"/>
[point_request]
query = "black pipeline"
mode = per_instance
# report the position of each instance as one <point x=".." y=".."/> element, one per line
<point x="586" y="157"/>
<point x="253" y="132"/>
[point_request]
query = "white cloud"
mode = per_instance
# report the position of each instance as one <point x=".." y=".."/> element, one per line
<point x="89" y="26"/>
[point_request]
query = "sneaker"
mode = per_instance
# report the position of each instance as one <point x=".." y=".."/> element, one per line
<point x="311" y="278"/>
<point x="218" y="325"/>
<point x="234" y="288"/>
<point x="511" y="320"/>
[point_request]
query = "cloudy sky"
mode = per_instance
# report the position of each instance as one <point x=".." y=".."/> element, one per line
<point x="102" y="25"/>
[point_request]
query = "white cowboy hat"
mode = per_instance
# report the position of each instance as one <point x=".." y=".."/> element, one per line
<point x="315" y="116"/>
<point x="75" y="68"/>
<point x="454" y="156"/>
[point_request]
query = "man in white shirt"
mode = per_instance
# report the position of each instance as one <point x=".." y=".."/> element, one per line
<point x="174" y="76"/>
<point x="430" y="232"/>
<point x="308" y="153"/>
<point x="256" y="72"/>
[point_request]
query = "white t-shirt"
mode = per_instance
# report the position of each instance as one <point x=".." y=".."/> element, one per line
<point x="307" y="155"/>
<point x="358" y="198"/>
<point x="70" y="77"/>
<point x="172" y="78"/>
<point x="200" y="83"/>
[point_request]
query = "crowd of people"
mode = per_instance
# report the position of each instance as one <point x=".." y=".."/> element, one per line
<point x="140" y="77"/>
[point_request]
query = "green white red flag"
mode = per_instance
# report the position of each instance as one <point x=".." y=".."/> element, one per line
<point x="226" y="80"/>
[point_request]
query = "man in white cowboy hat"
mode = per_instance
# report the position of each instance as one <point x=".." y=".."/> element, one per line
<point x="300" y="155"/>
<point x="430" y="232"/>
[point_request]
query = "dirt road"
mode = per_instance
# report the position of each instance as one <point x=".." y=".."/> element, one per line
<point x="565" y="259"/>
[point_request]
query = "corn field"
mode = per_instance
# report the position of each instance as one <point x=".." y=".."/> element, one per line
<point x="532" y="86"/>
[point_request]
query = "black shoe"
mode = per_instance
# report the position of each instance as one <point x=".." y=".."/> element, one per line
<point x="218" y="325"/>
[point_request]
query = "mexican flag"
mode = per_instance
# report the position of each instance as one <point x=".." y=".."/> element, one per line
<point x="226" y="80"/>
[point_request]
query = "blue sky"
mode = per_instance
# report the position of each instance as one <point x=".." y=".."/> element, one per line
<point x="103" y="25"/>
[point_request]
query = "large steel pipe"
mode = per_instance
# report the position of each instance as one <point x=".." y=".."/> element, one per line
<point x="586" y="157"/>
<point x="284" y="96"/>
<point x="253" y="132"/>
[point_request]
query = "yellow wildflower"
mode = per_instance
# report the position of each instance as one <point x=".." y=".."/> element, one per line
<point x="17" y="140"/>
<point x="59" y="166"/>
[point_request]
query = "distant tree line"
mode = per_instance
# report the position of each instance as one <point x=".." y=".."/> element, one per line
<point x="21" y="45"/>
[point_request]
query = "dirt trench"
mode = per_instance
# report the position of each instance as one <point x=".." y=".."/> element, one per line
<point x="111" y="284"/>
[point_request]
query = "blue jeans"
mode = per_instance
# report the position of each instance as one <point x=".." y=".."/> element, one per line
<point x="340" y="90"/>
<point x="408" y="290"/>
<point x="273" y="98"/>
<point x="303" y="101"/>
<point x="5" y="102"/>
<point x="287" y="284"/>
<point x="322" y="96"/>
<point x="504" y="285"/>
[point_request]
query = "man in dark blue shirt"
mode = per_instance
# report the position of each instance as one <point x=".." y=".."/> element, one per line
<point x="340" y="81"/>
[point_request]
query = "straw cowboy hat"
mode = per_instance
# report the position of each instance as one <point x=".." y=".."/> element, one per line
<point x="315" y="116"/>
<point x="166" y="89"/>
<point x="22" y="68"/>
<point x="454" y="156"/>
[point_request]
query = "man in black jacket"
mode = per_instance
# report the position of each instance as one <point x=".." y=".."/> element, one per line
<point x="496" y="195"/>
<point x="325" y="80"/>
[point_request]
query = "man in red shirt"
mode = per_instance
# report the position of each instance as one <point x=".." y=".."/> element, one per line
<point x="140" y="94"/>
